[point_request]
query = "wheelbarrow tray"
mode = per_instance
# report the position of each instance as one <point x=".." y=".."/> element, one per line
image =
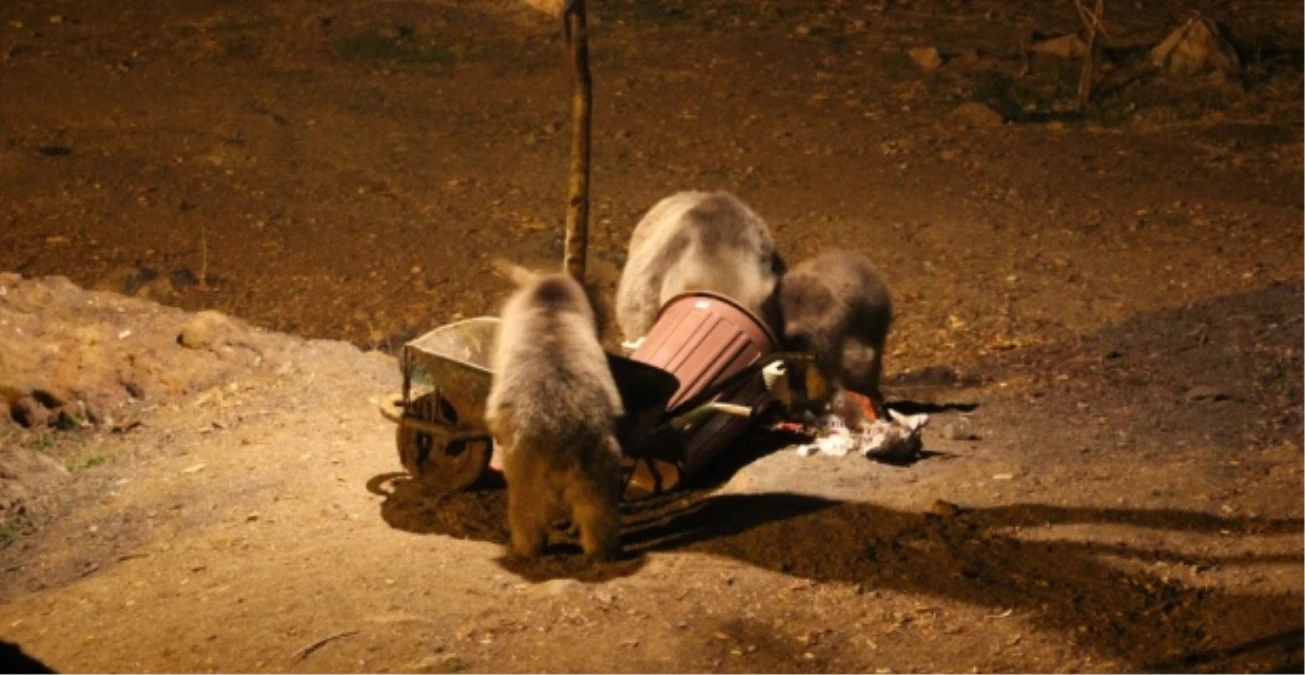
<point x="455" y="359"/>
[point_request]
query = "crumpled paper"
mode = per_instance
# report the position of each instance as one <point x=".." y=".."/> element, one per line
<point x="896" y="439"/>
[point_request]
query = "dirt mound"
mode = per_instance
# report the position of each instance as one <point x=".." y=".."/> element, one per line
<point x="76" y="364"/>
<point x="71" y="357"/>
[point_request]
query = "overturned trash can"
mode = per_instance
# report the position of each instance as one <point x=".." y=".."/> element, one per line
<point x="715" y="348"/>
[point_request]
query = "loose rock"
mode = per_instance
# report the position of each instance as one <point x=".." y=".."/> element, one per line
<point x="209" y="330"/>
<point x="1068" y="46"/>
<point x="1196" y="46"/>
<point x="927" y="58"/>
<point x="978" y="114"/>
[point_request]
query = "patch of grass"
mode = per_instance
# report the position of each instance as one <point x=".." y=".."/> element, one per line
<point x="14" y="529"/>
<point x="41" y="443"/>
<point x="88" y="461"/>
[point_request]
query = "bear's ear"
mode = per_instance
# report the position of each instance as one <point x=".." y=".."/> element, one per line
<point x="513" y="272"/>
<point x="800" y="291"/>
<point x="777" y="264"/>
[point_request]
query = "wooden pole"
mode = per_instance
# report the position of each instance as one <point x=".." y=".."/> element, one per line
<point x="577" y="203"/>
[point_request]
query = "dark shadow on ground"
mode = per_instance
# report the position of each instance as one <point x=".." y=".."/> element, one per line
<point x="1145" y="374"/>
<point x="481" y="514"/>
<point x="977" y="557"/>
<point x="746" y="449"/>
<point x="908" y="407"/>
<point x="14" y="660"/>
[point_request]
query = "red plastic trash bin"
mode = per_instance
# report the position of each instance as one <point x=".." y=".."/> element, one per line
<point x="702" y="338"/>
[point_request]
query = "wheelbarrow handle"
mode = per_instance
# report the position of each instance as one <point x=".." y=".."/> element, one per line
<point x="726" y="384"/>
<point x="681" y="422"/>
<point x="388" y="406"/>
<point x="444" y="432"/>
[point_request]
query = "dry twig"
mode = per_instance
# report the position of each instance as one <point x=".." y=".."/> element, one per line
<point x="311" y="647"/>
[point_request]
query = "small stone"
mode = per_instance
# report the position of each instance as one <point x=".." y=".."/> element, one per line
<point x="958" y="430"/>
<point x="1069" y="46"/>
<point x="195" y="468"/>
<point x="558" y="587"/>
<point x="978" y="114"/>
<point x="927" y="58"/>
<point x="944" y="509"/>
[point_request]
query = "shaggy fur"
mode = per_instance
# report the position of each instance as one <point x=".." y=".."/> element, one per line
<point x="696" y="241"/>
<point x="552" y="409"/>
<point x="837" y="307"/>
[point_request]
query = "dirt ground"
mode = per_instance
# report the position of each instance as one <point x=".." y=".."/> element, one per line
<point x="1102" y="312"/>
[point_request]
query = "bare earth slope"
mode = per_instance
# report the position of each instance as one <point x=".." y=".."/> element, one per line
<point x="1103" y="517"/>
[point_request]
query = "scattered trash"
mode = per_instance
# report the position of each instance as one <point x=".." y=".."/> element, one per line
<point x="1195" y="46"/>
<point x="776" y="380"/>
<point x="897" y="439"/>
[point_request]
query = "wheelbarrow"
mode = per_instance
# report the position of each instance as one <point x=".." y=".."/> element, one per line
<point x="691" y="387"/>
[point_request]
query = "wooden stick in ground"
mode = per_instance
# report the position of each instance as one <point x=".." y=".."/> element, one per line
<point x="1093" y="22"/>
<point x="577" y="203"/>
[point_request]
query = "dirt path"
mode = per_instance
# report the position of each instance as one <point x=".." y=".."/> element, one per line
<point x="1111" y="307"/>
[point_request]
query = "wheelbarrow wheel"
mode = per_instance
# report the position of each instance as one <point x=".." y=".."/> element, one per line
<point x="440" y="461"/>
